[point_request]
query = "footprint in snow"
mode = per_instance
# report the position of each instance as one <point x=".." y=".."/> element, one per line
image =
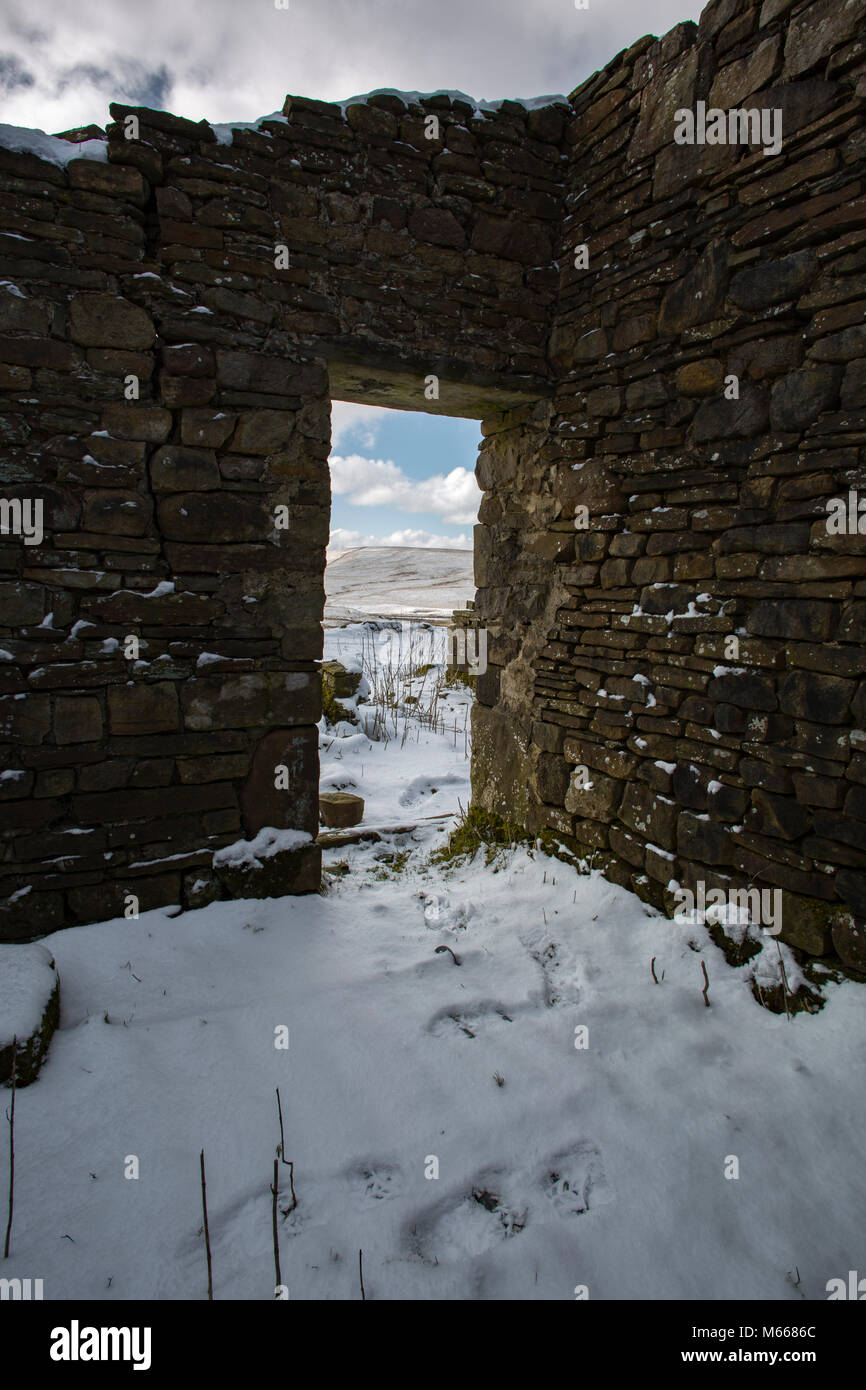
<point x="441" y="913"/>
<point x="574" y="1180"/>
<point x="376" y="1180"/>
<point x="467" y="1224"/>
<point x="451" y="1021"/>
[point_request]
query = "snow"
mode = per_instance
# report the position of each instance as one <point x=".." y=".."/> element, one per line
<point x="249" y="853"/>
<point x="27" y="980"/>
<point x="601" y="1165"/>
<point x="595" y="1156"/>
<point x="530" y="103"/>
<point x="427" y="582"/>
<point x="23" y="140"/>
<point x="224" y="131"/>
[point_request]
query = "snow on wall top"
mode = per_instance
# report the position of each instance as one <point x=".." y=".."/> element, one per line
<point x="22" y="140"/>
<point x="531" y="103"/>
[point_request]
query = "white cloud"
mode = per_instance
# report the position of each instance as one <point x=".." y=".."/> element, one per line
<point x="358" y="423"/>
<point x="367" y="482"/>
<point x="341" y="539"/>
<point x="225" y="61"/>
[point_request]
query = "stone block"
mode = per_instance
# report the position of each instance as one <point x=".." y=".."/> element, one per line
<point x="106" y="320"/>
<point x="339" y="810"/>
<point x="144" y="709"/>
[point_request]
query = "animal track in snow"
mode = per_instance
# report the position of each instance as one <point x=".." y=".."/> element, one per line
<point x="483" y="1018"/>
<point x="376" y="1180"/>
<point x="467" y="1224"/>
<point x="560" y="982"/>
<point x="574" y="1180"/>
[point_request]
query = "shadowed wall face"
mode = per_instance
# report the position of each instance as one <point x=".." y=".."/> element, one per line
<point x="695" y="615"/>
<point x="662" y="333"/>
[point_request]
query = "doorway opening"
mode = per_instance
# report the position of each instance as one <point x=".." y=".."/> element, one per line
<point x="395" y="732"/>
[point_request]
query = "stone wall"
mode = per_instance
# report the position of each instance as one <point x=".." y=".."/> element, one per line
<point x="665" y="417"/>
<point x="176" y="312"/>
<point x="732" y="762"/>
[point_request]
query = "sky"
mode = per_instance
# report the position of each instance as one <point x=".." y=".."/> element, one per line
<point x="402" y="478"/>
<point x="61" y="64"/>
<point x="397" y="478"/>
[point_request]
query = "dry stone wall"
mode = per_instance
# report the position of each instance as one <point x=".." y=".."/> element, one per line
<point x="176" y="314"/>
<point x="665" y="343"/>
<point x="697" y="698"/>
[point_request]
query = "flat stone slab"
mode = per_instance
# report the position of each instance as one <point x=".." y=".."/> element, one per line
<point x="340" y="809"/>
<point x="29" y="1009"/>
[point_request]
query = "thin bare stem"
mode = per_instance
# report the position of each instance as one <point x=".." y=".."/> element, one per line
<point x="275" y="1190"/>
<point x="10" y="1115"/>
<point x="206" y="1231"/>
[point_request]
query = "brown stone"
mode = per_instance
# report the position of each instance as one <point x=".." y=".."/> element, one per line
<point x="77" y="719"/>
<point x="280" y="788"/>
<point x="105" y="320"/>
<point x="262" y="431"/>
<point x="338" y="810"/>
<point x="177" y="469"/>
<point x="144" y="709"/>
<point x="702" y="378"/>
<point x="251" y="700"/>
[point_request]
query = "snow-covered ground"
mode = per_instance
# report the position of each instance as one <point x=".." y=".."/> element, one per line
<point x="565" y="1157"/>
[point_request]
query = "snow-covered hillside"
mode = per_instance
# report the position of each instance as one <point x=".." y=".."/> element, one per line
<point x="397" y="581"/>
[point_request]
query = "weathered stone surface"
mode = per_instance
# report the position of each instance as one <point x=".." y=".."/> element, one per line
<point x="287" y="871"/>
<point x="177" y="469"/>
<point x="810" y="621"/>
<point x="652" y="817"/>
<point x="700" y="294"/>
<point x="670" y="89"/>
<point x="773" y="281"/>
<point x="596" y="798"/>
<point x="150" y="423"/>
<point x="721" y="418"/>
<point x="801" y="396"/>
<point x="281" y="784"/>
<point x="849" y="939"/>
<point x="740" y="79"/>
<point x="339" y="810"/>
<point x="251" y="700"/>
<point x="808" y="923"/>
<point x="77" y="719"/>
<point x="699" y="838"/>
<point x="814" y="34"/>
<point x="144" y="709"/>
<point x="262" y="432"/>
<point x="809" y="695"/>
<point x="703" y="378"/>
<point x="121" y="513"/>
<point x="115" y="180"/>
<point x="106" y="320"/>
